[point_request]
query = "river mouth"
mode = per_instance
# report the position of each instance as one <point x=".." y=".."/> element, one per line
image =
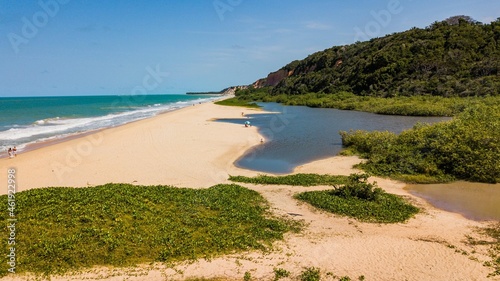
<point x="475" y="201"/>
<point x="296" y="135"/>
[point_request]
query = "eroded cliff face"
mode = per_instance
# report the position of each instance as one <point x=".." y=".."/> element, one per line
<point x="232" y="90"/>
<point x="273" y="79"/>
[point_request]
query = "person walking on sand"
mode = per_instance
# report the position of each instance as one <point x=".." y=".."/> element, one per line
<point x="14" y="151"/>
<point x="10" y="152"/>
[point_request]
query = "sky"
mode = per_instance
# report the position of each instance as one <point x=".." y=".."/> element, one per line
<point x="125" y="47"/>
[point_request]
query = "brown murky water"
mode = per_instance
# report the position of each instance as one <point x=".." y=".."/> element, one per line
<point x="476" y="201"/>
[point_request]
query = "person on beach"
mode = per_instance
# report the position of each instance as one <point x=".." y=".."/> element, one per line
<point x="14" y="151"/>
<point x="10" y="152"/>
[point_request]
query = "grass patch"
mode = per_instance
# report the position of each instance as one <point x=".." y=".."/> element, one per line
<point x="63" y="229"/>
<point x="310" y="274"/>
<point x="361" y="200"/>
<point x="296" y="180"/>
<point x="280" y="273"/>
<point x="238" y="102"/>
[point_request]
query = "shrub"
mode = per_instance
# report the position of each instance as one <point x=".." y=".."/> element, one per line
<point x="358" y="187"/>
<point x="296" y="179"/>
<point x="361" y="200"/>
<point x="467" y="147"/>
<point x="310" y="274"/>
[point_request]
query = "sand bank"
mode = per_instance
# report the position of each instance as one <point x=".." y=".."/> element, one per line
<point x="184" y="148"/>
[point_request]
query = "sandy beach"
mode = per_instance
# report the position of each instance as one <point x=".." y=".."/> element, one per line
<point x="182" y="148"/>
<point x="186" y="148"/>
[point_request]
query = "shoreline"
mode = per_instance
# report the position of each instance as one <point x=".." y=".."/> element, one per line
<point x="78" y="160"/>
<point x="37" y="144"/>
<point x="184" y="148"/>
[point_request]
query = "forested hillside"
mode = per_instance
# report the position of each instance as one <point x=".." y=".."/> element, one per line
<point x="457" y="57"/>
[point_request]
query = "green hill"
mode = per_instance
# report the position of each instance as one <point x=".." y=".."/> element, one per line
<point x="458" y="57"/>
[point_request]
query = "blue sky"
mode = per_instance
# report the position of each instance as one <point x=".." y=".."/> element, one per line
<point x="77" y="47"/>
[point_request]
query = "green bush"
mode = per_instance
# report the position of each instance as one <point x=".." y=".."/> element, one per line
<point x="310" y="274"/>
<point x="296" y="179"/>
<point x="358" y="187"/>
<point x="237" y="102"/>
<point x="361" y="200"/>
<point x="467" y="147"/>
<point x="280" y="273"/>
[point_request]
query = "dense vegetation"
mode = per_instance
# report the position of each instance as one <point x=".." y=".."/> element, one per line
<point x="62" y="229"/>
<point x="237" y="102"/>
<point x="467" y="147"/>
<point x="361" y="200"/>
<point x="296" y="179"/>
<point x="410" y="106"/>
<point x="444" y="59"/>
<point x="417" y="72"/>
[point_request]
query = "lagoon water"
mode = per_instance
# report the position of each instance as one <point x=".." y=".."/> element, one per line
<point x="295" y="135"/>
<point x="476" y="201"/>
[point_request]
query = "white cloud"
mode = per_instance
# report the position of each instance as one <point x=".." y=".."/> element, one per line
<point x="317" y="25"/>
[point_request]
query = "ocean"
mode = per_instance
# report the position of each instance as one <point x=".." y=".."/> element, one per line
<point x="32" y="120"/>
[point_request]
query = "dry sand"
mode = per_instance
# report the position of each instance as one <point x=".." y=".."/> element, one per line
<point x="185" y="148"/>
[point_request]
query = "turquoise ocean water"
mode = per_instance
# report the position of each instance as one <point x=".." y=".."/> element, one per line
<point x="29" y="120"/>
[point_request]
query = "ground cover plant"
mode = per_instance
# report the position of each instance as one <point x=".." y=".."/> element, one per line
<point x="310" y="274"/>
<point x="296" y="179"/>
<point x="361" y="200"/>
<point x="62" y="229"/>
<point x="238" y="102"/>
<point x="493" y="234"/>
<point x="467" y="147"/>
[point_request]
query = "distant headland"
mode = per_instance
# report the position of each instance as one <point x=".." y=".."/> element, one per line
<point x="227" y="91"/>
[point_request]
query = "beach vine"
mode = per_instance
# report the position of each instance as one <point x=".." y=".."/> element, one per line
<point x="68" y="229"/>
